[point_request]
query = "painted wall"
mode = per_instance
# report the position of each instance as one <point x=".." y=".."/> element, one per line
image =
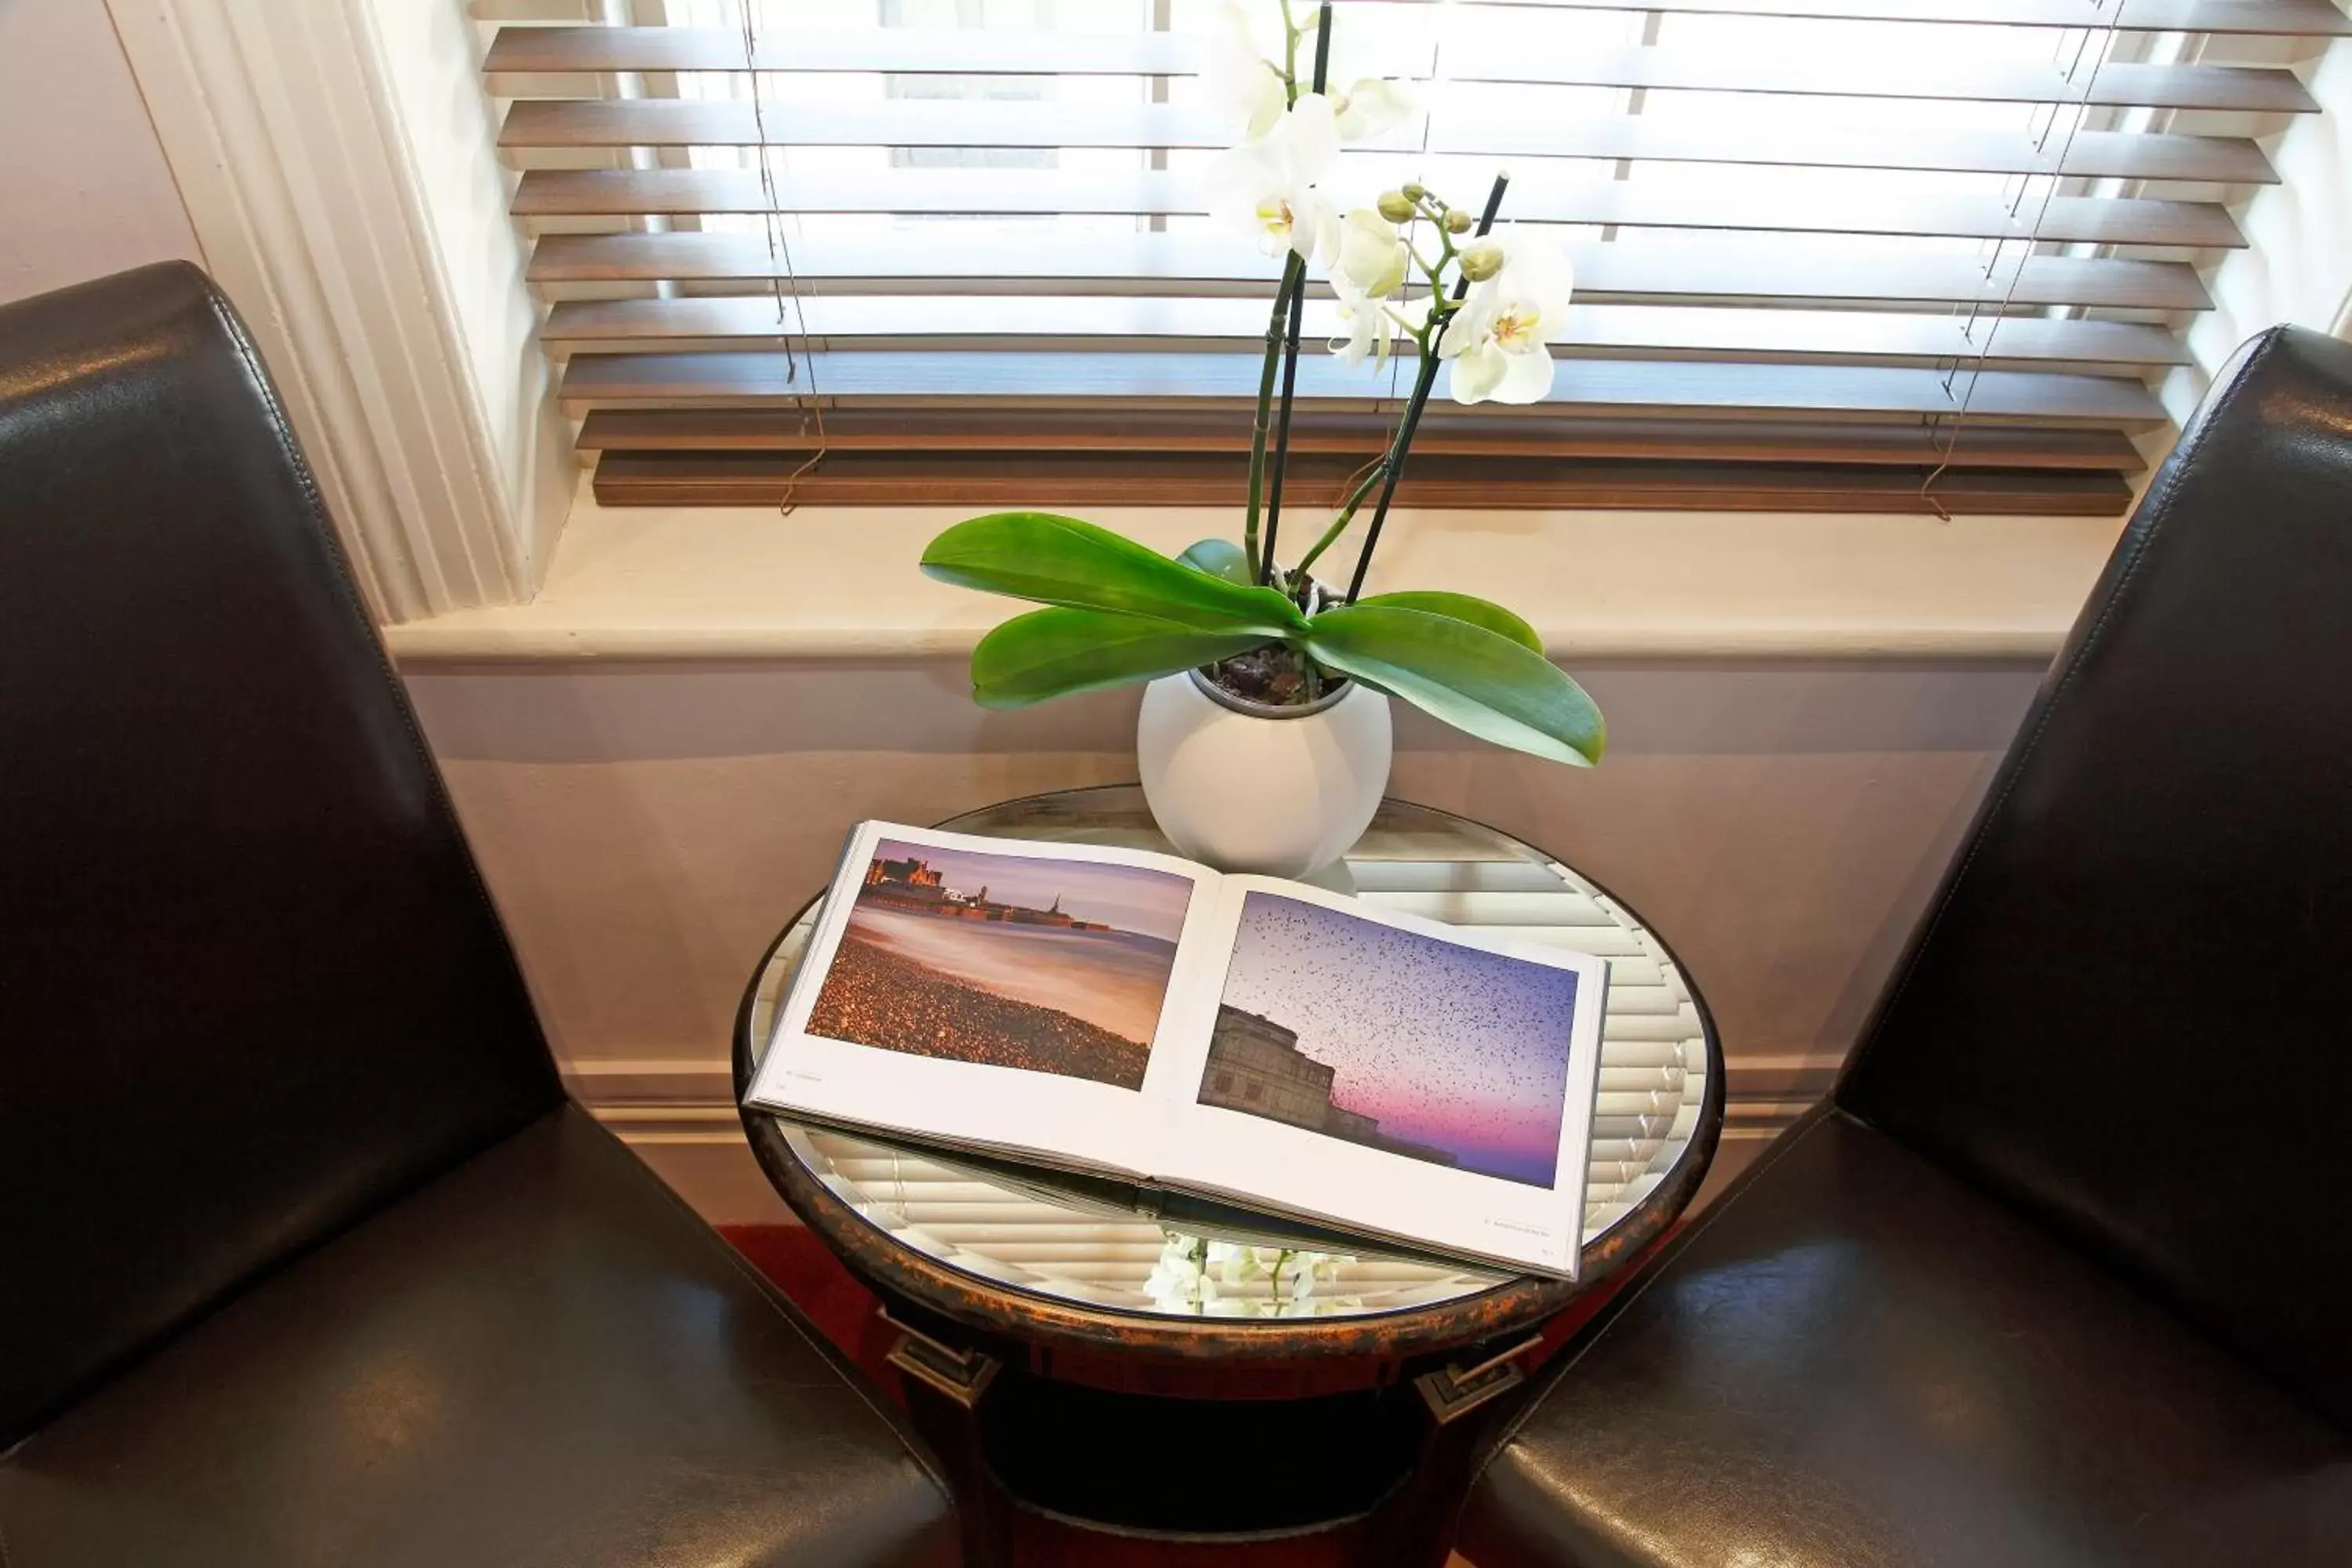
<point x="84" y="189"/>
<point x="646" y="829"/>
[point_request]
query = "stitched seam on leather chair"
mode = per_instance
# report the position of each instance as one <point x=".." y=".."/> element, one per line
<point x="259" y="374"/>
<point x="787" y="1312"/>
<point x="1772" y="1155"/>
<point x="2159" y="511"/>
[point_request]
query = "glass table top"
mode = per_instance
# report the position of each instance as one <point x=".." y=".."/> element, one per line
<point x="1654" y="1074"/>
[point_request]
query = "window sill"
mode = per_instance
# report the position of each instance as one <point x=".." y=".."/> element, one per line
<point x="746" y="585"/>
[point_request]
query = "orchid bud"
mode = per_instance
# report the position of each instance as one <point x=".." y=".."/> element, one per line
<point x="1482" y="261"/>
<point x="1395" y="206"/>
<point x="1414" y="193"/>
<point x="1457" y="221"/>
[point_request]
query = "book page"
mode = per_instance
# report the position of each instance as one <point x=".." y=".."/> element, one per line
<point x="1387" y="1072"/>
<point x="997" y="992"/>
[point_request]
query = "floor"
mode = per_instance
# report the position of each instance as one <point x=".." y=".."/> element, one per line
<point x="846" y="1312"/>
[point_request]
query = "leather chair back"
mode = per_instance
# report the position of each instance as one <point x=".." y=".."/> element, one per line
<point x="2126" y="1011"/>
<point x="250" y="984"/>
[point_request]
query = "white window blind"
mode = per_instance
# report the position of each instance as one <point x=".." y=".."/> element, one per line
<point x="1825" y="250"/>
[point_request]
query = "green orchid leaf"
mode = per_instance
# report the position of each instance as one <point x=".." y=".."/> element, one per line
<point x="1052" y="653"/>
<point x="1465" y="607"/>
<point x="1218" y="558"/>
<point x="1477" y="680"/>
<point x="1062" y="561"/>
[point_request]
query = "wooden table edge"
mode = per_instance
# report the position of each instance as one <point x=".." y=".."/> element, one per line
<point x="892" y="1269"/>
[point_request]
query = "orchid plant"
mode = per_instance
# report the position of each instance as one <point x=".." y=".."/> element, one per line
<point x="1220" y="1279"/>
<point x="1477" y="304"/>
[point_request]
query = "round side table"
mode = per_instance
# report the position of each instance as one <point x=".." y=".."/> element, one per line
<point x="1028" y="1323"/>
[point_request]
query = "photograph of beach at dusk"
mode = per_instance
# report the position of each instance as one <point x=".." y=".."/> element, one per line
<point x="1052" y="967"/>
<point x="1393" y="1040"/>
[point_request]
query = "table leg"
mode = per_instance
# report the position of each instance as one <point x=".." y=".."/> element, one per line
<point x="944" y="1386"/>
<point x="1426" y="1508"/>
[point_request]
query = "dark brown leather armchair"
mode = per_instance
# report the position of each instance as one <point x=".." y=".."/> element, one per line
<point x="2062" y="1274"/>
<point x="304" y="1256"/>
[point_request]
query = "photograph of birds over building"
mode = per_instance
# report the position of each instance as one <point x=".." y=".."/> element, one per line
<point x="1043" y="965"/>
<point x="1256" y="1064"/>
<point x="1393" y="1040"/>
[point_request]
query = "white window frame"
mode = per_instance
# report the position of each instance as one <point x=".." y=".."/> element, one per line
<point x="307" y="185"/>
<point x="337" y="161"/>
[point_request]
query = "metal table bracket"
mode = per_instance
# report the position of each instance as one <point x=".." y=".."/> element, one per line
<point x="962" y="1375"/>
<point x="1451" y="1392"/>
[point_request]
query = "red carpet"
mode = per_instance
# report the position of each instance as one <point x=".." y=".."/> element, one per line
<point x="846" y="1314"/>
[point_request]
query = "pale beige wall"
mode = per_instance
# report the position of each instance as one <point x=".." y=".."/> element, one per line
<point x="645" y="829"/>
<point x="84" y="189"/>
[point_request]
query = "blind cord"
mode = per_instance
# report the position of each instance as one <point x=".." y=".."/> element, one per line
<point x="781" y="273"/>
<point x="2017" y="273"/>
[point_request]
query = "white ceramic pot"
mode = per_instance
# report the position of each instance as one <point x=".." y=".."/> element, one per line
<point x="1247" y="787"/>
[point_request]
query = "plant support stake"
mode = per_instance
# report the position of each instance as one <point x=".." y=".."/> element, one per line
<point x="1290" y="345"/>
<point x="1420" y="385"/>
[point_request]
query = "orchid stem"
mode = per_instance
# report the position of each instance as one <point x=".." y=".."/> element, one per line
<point x="1282" y="431"/>
<point x="1294" y="278"/>
<point x="1289" y="56"/>
<point x="1411" y="421"/>
<point x="1293" y="281"/>
<point x="1347" y="513"/>
<point x="1263" y="568"/>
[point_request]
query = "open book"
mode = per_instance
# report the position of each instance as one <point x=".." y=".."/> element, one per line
<point x="1246" y="1040"/>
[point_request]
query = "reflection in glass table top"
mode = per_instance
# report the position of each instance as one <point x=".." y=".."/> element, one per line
<point x="1654" y="1072"/>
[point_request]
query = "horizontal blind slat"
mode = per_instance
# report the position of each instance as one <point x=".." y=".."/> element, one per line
<point x="1458" y="876"/>
<point x="986" y="480"/>
<point x="1831" y="335"/>
<point x="2277" y="17"/>
<point x="1442" y="434"/>
<point x="1170" y="263"/>
<point x="1046" y="321"/>
<point x="913" y="51"/>
<point x="2311" y="18"/>
<point x="933" y="122"/>
<point x="544" y="193"/>
<point x="656" y="380"/>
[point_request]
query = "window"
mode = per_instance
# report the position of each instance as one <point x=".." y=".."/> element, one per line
<point x="1827" y="250"/>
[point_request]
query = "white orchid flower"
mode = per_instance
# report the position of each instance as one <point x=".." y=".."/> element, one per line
<point x="1498" y="342"/>
<point x="1233" y="1263"/>
<point x="1267" y="187"/>
<point x="1371" y="266"/>
<point x="1370" y="107"/>
<point x="1372" y="255"/>
<point x="1293" y="1281"/>
<point x="1178" y="1278"/>
<point x="1171" y="1282"/>
<point x="1241" y="81"/>
<point x="1372" y="331"/>
<point x="1374" y="325"/>
<point x="1244" y="83"/>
